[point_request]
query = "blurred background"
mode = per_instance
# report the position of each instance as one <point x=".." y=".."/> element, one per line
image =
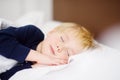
<point x="101" y="17"/>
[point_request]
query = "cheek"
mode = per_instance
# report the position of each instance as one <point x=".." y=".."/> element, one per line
<point x="45" y="48"/>
<point x="51" y="38"/>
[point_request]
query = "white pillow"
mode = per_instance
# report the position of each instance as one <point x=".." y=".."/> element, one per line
<point x="48" y="26"/>
<point x="5" y="23"/>
<point x="35" y="18"/>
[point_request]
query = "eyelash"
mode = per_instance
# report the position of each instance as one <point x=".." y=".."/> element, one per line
<point x="61" y="39"/>
<point x="68" y="53"/>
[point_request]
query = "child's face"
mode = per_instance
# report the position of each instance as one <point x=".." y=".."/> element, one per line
<point x="59" y="44"/>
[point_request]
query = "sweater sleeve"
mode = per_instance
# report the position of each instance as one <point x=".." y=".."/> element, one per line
<point x="15" y="43"/>
<point x="10" y="47"/>
<point x="29" y="35"/>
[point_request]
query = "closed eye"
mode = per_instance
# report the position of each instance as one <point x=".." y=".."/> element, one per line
<point x="62" y="39"/>
<point x="68" y="53"/>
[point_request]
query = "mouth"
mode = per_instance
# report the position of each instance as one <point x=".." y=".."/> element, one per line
<point x="52" y="50"/>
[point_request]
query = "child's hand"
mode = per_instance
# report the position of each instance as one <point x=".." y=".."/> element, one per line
<point x="43" y="59"/>
<point x="51" y="60"/>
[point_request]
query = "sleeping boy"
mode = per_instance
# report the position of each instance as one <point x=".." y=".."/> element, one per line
<point x="30" y="49"/>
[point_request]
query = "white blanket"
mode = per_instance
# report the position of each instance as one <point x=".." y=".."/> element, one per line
<point x="101" y="63"/>
<point x="6" y="64"/>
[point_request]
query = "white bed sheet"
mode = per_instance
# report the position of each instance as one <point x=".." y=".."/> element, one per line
<point x="101" y="63"/>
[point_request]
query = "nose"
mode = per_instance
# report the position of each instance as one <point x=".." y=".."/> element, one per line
<point x="59" y="49"/>
<point x="62" y="52"/>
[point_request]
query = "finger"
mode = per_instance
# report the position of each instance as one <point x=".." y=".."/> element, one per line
<point x="62" y="57"/>
<point x="61" y="61"/>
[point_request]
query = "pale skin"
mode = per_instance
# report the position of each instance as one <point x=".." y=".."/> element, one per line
<point x="55" y="49"/>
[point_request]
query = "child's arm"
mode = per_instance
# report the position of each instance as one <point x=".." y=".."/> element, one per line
<point x="44" y="59"/>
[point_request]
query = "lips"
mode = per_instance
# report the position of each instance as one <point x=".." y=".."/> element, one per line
<point x="52" y="50"/>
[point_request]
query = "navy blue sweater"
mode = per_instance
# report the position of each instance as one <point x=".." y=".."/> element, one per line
<point x="15" y="43"/>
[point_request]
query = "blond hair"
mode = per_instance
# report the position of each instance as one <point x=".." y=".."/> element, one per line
<point x="82" y="35"/>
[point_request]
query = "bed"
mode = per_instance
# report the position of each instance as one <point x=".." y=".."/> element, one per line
<point x="100" y="63"/>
